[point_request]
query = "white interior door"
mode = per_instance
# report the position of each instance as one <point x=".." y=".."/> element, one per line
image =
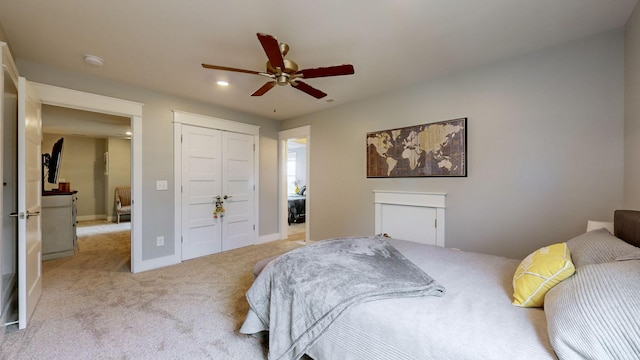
<point x="201" y="183"/>
<point x="238" y="187"/>
<point x="29" y="201"/>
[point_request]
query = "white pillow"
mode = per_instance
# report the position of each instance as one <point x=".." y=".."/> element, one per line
<point x="593" y="225"/>
<point x="594" y="314"/>
<point x="596" y="247"/>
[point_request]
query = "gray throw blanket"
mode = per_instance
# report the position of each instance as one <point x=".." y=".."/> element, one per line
<point x="299" y="294"/>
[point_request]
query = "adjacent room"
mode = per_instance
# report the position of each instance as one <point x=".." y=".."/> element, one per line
<point x="245" y="180"/>
<point x="96" y="156"/>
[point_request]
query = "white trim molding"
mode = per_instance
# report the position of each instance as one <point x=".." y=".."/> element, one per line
<point x="183" y="117"/>
<point x="408" y="198"/>
<point x="80" y="100"/>
<point x="74" y="99"/>
<point x="283" y="136"/>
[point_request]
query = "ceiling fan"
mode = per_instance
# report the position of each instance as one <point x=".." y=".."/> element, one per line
<point x="285" y="72"/>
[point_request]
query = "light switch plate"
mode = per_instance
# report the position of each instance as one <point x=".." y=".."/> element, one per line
<point x="162" y="185"/>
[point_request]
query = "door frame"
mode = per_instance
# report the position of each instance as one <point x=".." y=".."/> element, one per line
<point x="186" y="118"/>
<point x="11" y="71"/>
<point x="284" y="136"/>
<point x="74" y="99"/>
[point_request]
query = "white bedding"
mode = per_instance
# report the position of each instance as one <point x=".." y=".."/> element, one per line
<point x="473" y="320"/>
<point x="299" y="295"/>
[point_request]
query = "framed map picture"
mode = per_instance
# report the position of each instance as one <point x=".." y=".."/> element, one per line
<point x="436" y="149"/>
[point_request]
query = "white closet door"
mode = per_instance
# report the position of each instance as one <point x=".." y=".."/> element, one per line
<point x="238" y="186"/>
<point x="201" y="183"/>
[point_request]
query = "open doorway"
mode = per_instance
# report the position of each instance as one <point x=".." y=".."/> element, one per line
<point x="67" y="98"/>
<point x="96" y="159"/>
<point x="295" y="187"/>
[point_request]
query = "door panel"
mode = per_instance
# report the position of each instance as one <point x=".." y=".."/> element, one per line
<point x="29" y="201"/>
<point x="201" y="183"/>
<point x="237" y="183"/>
<point x="422" y="230"/>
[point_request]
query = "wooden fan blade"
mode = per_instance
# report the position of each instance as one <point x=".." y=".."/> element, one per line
<point x="304" y="87"/>
<point x="215" y="67"/>
<point x="266" y="87"/>
<point x="338" y="70"/>
<point x="272" y="49"/>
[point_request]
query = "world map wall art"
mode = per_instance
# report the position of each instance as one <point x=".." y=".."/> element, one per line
<point x="435" y="149"/>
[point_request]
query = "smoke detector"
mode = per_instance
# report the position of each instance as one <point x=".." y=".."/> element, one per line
<point x="93" y="60"/>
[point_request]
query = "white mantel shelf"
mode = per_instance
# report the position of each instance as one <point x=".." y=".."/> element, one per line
<point x="409" y="198"/>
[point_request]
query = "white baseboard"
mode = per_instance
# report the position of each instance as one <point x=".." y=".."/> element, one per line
<point x="268" y="238"/>
<point x="173" y="259"/>
<point x="157" y="263"/>
<point x="91" y="217"/>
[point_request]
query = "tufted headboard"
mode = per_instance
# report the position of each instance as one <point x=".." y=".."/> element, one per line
<point x="626" y="226"/>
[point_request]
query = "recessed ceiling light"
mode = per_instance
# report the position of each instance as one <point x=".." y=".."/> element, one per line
<point x="93" y="60"/>
<point x="222" y="83"/>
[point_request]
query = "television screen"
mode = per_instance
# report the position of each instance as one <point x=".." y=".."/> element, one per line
<point x="54" y="162"/>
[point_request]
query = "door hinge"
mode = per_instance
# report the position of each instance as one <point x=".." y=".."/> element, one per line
<point x="435" y="223"/>
<point x="181" y="239"/>
<point x="181" y="138"/>
<point x="254" y="227"/>
<point x="254" y="147"/>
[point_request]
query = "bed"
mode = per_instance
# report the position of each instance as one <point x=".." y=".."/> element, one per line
<point x="592" y="314"/>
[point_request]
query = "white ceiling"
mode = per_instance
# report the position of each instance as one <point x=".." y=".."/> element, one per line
<point x="160" y="44"/>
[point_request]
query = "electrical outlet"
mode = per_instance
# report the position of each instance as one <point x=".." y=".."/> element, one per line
<point x="160" y="241"/>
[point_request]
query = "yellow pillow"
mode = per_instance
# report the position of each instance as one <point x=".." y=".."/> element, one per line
<point x="539" y="272"/>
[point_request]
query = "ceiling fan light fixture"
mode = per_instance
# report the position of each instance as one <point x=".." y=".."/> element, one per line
<point x="284" y="48"/>
<point x="282" y="79"/>
<point x="93" y="60"/>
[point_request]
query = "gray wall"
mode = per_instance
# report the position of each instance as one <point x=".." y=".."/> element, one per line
<point x="545" y="150"/>
<point x="85" y="152"/>
<point x="82" y="167"/>
<point x="3" y="35"/>
<point x="157" y="149"/>
<point x="632" y="112"/>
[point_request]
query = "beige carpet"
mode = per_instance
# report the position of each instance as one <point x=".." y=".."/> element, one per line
<point x="296" y="232"/>
<point x="93" y="307"/>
